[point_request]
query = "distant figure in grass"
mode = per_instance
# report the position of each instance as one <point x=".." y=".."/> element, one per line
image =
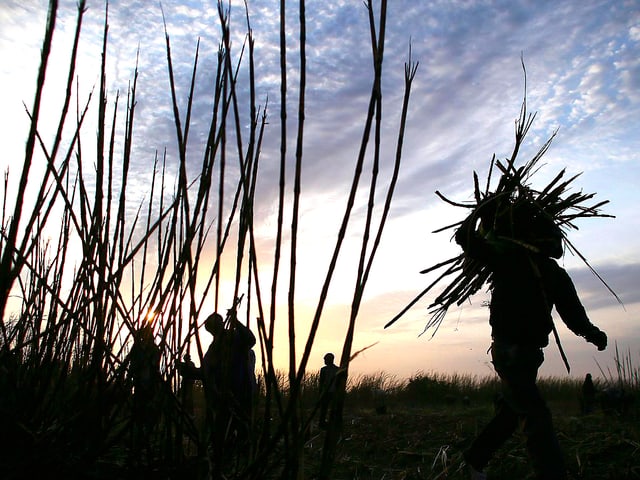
<point x="588" y="397"/>
<point x="327" y="386"/>
<point x="518" y="244"/>
<point x="143" y="365"/>
<point x="188" y="371"/>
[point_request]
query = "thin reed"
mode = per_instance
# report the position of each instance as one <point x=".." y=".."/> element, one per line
<point x="625" y="373"/>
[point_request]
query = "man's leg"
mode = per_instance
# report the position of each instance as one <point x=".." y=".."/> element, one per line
<point x="491" y="438"/>
<point x="519" y="369"/>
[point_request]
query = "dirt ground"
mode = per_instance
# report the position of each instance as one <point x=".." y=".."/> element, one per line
<point x="421" y="443"/>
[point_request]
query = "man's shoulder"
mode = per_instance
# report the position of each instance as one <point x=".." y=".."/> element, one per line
<point x="550" y="266"/>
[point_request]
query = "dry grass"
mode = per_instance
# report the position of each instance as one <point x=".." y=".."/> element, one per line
<point x="427" y="443"/>
<point x="424" y="432"/>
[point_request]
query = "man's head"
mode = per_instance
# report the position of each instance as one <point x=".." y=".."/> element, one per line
<point x="214" y="324"/>
<point x="328" y="359"/>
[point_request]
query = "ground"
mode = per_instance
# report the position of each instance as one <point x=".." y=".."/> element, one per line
<point x="427" y="443"/>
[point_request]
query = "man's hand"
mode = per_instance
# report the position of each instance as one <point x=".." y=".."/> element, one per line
<point x="597" y="337"/>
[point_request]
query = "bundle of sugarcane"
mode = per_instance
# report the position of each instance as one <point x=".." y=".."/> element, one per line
<point x="509" y="214"/>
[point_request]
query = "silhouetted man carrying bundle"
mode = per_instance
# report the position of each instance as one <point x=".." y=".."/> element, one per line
<point x="510" y="241"/>
<point x="517" y="242"/>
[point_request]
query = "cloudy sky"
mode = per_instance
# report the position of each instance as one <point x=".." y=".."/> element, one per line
<point x="583" y="78"/>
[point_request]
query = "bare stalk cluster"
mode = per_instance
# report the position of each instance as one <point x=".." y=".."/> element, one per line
<point x="113" y="267"/>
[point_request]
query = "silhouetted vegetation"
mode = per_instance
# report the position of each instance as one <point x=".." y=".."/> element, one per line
<point x="432" y="417"/>
<point x="89" y="272"/>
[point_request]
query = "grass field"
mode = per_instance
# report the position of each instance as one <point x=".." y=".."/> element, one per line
<point x="392" y="429"/>
<point x="423" y="435"/>
<point x="419" y="428"/>
<point x="427" y="443"/>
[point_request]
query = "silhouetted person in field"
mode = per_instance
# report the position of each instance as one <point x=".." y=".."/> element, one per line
<point x="588" y="397"/>
<point x="228" y="379"/>
<point x="518" y="244"/>
<point x="189" y="374"/>
<point x="143" y="364"/>
<point x="327" y="386"/>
